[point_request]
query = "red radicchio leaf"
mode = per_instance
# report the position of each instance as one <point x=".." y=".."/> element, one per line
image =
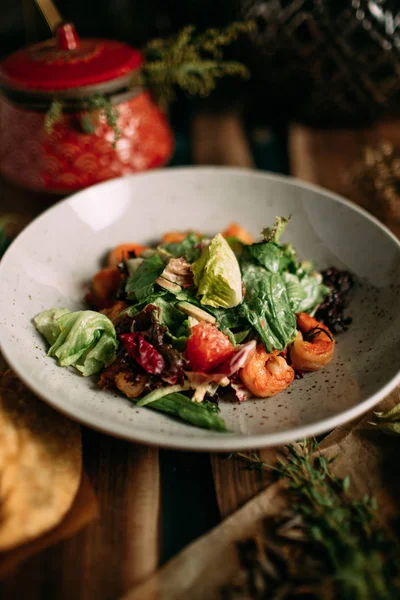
<point x="144" y="353"/>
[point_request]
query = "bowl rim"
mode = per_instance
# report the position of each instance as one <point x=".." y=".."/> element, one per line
<point x="227" y="442"/>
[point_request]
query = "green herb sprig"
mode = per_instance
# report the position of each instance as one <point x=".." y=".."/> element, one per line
<point x="358" y="558"/>
<point x="191" y="61"/>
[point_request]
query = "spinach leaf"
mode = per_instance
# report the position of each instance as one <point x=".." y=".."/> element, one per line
<point x="266" y="307"/>
<point x="294" y="290"/>
<point x="179" y="339"/>
<point x="170" y="316"/>
<point x="186" y="248"/>
<point x="314" y="293"/>
<point x="227" y="318"/>
<point x="289" y="260"/>
<point x="141" y="283"/>
<point x="267" y="254"/>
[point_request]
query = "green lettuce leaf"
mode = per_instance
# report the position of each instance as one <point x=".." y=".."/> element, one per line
<point x="100" y="354"/>
<point x="85" y="339"/>
<point x="170" y="316"/>
<point x="217" y="275"/>
<point x="175" y="321"/>
<point x="305" y="293"/>
<point x="315" y="292"/>
<point x="267" y="307"/>
<point x="296" y="294"/>
<point x="47" y="323"/>
<point x="138" y="306"/>
<point x="141" y="283"/>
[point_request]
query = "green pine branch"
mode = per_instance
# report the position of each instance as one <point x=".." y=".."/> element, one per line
<point x="193" y="62"/>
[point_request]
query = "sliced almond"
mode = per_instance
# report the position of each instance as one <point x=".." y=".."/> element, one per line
<point x="174" y="288"/>
<point x="196" y="312"/>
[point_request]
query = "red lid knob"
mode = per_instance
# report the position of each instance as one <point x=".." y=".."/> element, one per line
<point x="67" y="38"/>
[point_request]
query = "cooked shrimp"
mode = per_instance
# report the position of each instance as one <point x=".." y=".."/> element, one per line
<point x="266" y="374"/>
<point x="314" y="345"/>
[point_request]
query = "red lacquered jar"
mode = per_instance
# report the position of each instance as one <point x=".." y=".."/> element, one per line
<point x="72" y="71"/>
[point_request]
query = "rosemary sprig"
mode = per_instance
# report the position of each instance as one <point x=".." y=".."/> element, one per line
<point x="359" y="558"/>
<point x="192" y="61"/>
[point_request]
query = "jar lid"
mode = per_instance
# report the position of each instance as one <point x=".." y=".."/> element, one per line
<point x="66" y="62"/>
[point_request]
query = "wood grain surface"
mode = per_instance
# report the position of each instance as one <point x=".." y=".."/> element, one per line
<point x="327" y="157"/>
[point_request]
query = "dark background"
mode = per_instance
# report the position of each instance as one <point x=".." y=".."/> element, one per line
<point x="324" y="62"/>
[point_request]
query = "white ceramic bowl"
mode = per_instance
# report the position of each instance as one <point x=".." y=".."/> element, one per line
<point x="50" y="263"/>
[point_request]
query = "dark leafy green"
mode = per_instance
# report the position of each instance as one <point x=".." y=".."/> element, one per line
<point x="141" y="283"/>
<point x="268" y="254"/>
<point x="175" y="321"/>
<point x="289" y="261"/>
<point x="227" y="318"/>
<point x="240" y="336"/>
<point x="314" y="293"/>
<point x="267" y="308"/>
<point x="274" y="234"/>
<point x="187" y="248"/>
<point x="204" y="414"/>
<point x="170" y="316"/>
<point x="138" y="306"/>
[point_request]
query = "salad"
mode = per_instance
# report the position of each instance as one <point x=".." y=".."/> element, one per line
<point x="176" y="326"/>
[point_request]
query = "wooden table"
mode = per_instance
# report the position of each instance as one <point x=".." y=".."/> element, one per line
<point x="143" y="493"/>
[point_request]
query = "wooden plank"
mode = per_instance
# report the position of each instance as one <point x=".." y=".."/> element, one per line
<point x="220" y="140"/>
<point x="114" y="552"/>
<point x="235" y="483"/>
<point x="327" y="158"/>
